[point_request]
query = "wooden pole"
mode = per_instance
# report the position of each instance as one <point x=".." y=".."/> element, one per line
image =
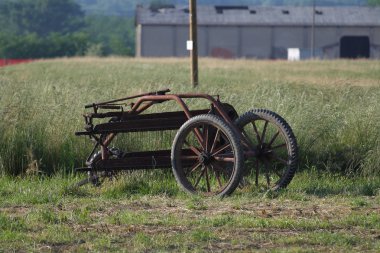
<point x="313" y="33"/>
<point x="194" y="41"/>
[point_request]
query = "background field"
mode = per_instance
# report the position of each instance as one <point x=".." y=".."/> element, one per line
<point x="333" y="107"/>
<point x="332" y="204"/>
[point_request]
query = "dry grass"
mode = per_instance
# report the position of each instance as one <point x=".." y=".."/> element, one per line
<point x="332" y="106"/>
<point x="310" y="72"/>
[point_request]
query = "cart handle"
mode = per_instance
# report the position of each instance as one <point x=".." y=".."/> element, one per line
<point x="159" y="92"/>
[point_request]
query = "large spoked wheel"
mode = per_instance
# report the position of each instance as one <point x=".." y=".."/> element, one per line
<point x="270" y="147"/>
<point x="206" y="156"/>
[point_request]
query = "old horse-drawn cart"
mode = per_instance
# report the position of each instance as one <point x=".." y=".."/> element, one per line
<point x="212" y="150"/>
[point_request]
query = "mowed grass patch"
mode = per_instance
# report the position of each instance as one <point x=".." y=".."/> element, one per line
<point x="345" y="219"/>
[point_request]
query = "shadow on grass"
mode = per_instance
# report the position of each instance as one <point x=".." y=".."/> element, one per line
<point x="313" y="183"/>
<point x="323" y="184"/>
<point x="367" y="189"/>
<point x="73" y="191"/>
<point x="127" y="187"/>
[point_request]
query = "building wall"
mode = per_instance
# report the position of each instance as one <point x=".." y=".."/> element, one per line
<point x="284" y="38"/>
<point x="265" y="42"/>
<point x="326" y="40"/>
<point x="158" y="41"/>
<point x="182" y="35"/>
<point x="138" y="40"/>
<point x="256" y="42"/>
<point x="223" y="41"/>
<point x="375" y="42"/>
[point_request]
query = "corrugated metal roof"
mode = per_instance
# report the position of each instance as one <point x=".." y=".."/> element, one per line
<point x="255" y="15"/>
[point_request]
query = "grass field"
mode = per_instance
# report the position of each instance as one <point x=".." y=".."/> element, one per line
<point x="333" y="203"/>
<point x="317" y="213"/>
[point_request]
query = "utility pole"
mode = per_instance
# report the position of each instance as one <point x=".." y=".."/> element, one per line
<point x="313" y="33"/>
<point x="193" y="47"/>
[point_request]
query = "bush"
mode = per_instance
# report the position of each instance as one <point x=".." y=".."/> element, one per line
<point x="32" y="46"/>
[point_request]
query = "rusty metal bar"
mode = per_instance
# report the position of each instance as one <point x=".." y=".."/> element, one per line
<point x="147" y="122"/>
<point x="144" y="160"/>
<point x="160" y="92"/>
<point x="163" y="98"/>
<point x="108" y="139"/>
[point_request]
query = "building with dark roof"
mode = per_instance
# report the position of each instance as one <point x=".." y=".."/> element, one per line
<point x="260" y="32"/>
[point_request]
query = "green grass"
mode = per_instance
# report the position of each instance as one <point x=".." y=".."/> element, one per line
<point x="332" y="204"/>
<point x="44" y="214"/>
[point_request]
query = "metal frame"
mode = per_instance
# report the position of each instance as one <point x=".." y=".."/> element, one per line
<point x="134" y="121"/>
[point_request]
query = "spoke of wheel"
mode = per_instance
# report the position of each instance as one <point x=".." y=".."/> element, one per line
<point x="217" y="175"/>
<point x="222" y="158"/>
<point x="264" y="131"/>
<point x="220" y="168"/>
<point x="198" y="136"/>
<point x="189" y="157"/>
<point x="205" y="137"/>
<point x="221" y="149"/>
<point x="194" y="149"/>
<point x="226" y="155"/>
<point x="199" y="178"/>
<point x="257" y="132"/>
<point x="207" y="180"/>
<point x="247" y="140"/>
<point x="275" y="156"/>
<point x="192" y="169"/>
<point x="279" y="146"/>
<point x="273" y="138"/>
<point x="257" y="172"/>
<point x="267" y="167"/>
<point x="215" y="140"/>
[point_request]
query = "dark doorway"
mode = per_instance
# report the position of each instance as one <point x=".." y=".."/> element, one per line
<point x="354" y="47"/>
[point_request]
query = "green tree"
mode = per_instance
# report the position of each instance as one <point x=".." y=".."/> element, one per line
<point x="40" y="16"/>
<point x="115" y="34"/>
<point x="373" y="2"/>
<point x="33" y="46"/>
<point x="41" y="29"/>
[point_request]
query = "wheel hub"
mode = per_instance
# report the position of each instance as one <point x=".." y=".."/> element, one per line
<point x="205" y="158"/>
<point x="263" y="151"/>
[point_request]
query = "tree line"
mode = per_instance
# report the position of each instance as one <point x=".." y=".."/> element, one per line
<point x="56" y="28"/>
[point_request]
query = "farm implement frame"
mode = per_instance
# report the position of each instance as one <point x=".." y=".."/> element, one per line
<point x="212" y="150"/>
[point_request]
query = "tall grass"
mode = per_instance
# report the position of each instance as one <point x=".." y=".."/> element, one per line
<point x="332" y="106"/>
